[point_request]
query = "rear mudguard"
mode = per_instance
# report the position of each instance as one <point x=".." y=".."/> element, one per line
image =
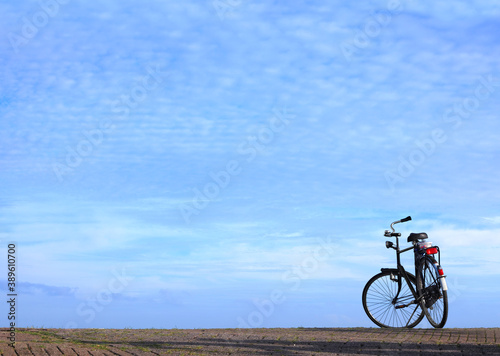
<point x="442" y="279"/>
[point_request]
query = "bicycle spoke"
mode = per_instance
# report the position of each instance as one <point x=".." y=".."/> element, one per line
<point x="380" y="303"/>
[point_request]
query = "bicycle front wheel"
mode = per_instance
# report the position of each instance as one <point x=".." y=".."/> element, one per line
<point x="384" y="308"/>
<point x="434" y="298"/>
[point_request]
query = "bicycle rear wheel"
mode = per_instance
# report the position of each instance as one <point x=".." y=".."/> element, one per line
<point x="380" y="302"/>
<point x="434" y="300"/>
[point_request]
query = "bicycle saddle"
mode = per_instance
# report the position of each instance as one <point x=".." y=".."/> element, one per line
<point x="414" y="236"/>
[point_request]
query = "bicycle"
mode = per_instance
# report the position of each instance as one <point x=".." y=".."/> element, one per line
<point x="396" y="298"/>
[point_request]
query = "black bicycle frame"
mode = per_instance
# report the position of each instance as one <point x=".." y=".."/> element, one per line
<point x="400" y="270"/>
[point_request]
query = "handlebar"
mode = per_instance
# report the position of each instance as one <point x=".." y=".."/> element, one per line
<point x="408" y="218"/>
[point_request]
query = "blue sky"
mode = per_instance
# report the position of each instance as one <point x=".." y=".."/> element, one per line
<point x="204" y="164"/>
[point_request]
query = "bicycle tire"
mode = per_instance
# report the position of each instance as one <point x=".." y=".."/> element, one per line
<point x="434" y="300"/>
<point x="378" y="301"/>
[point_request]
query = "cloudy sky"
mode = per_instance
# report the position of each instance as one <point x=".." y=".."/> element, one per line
<point x="234" y="163"/>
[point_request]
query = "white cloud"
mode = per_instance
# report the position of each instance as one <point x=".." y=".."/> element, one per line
<point x="493" y="219"/>
<point x="468" y="251"/>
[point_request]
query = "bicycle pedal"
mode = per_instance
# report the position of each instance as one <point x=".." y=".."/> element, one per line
<point x="400" y="306"/>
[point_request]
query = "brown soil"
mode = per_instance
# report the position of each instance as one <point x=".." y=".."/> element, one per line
<point x="300" y="341"/>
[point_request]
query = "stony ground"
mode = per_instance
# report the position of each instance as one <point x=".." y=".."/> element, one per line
<point x="300" y="341"/>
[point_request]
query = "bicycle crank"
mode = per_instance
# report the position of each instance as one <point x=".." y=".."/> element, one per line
<point x="405" y="305"/>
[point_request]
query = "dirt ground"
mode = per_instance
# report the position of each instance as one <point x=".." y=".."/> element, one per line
<point x="300" y="341"/>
